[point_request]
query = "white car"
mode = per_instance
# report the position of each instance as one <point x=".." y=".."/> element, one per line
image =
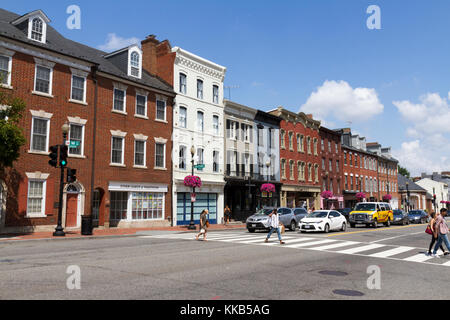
<point x="323" y="220"/>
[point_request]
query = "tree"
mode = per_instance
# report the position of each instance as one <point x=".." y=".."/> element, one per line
<point x="404" y="172"/>
<point x="11" y="135"/>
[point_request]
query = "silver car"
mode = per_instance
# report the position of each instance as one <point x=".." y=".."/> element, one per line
<point x="290" y="218"/>
<point x="259" y="221"/>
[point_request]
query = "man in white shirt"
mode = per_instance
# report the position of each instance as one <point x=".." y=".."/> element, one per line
<point x="274" y="225"/>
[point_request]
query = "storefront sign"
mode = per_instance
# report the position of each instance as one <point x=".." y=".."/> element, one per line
<point x="136" y="187"/>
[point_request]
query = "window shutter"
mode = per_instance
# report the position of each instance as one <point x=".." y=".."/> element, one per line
<point x="243" y="164"/>
<point x="228" y="162"/>
<point x="251" y="165"/>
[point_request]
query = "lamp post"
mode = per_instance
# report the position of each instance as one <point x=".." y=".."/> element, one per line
<point x="407" y="196"/>
<point x="268" y="178"/>
<point x="191" y="223"/>
<point x="59" y="230"/>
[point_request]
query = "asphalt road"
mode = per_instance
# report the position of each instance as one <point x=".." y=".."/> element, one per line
<point x="233" y="265"/>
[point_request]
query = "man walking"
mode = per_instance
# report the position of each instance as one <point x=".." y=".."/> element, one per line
<point x="441" y="229"/>
<point x="274" y="224"/>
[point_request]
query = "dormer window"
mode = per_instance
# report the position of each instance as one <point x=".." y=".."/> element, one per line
<point x="37" y="29"/>
<point x="135" y="64"/>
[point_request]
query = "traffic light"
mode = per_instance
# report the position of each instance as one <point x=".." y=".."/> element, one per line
<point x="53" y="156"/>
<point x="63" y="155"/>
<point x="71" y="175"/>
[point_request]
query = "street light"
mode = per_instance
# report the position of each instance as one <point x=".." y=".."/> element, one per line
<point x="59" y="230"/>
<point x="191" y="223"/>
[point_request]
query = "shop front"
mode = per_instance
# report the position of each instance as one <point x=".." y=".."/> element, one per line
<point x="294" y="196"/>
<point x="333" y="203"/>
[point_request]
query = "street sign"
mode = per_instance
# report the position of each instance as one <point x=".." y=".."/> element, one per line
<point x="193" y="197"/>
<point x="74" y="144"/>
<point x="199" y="166"/>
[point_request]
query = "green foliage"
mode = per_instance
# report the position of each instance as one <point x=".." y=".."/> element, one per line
<point x="11" y="134"/>
<point x="404" y="172"/>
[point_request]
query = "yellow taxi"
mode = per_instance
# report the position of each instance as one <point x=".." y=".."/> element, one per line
<point x="371" y="213"/>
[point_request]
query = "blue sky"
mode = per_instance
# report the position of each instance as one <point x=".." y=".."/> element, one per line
<point x="281" y="52"/>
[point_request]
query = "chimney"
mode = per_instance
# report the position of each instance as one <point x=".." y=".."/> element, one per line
<point x="309" y="116"/>
<point x="149" y="54"/>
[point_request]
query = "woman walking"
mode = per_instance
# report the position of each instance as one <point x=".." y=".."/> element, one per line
<point x="204" y="224"/>
<point x="274" y="224"/>
<point x="441" y="229"/>
<point x="433" y="230"/>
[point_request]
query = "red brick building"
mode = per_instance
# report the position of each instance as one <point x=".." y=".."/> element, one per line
<point x="299" y="159"/>
<point x="120" y="120"/>
<point x="331" y="168"/>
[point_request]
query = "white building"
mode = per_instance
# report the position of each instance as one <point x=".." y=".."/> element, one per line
<point x="440" y="189"/>
<point x="198" y="121"/>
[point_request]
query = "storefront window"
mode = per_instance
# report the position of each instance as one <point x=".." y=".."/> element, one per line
<point x="147" y="206"/>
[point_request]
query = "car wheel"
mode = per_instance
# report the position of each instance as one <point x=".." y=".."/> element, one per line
<point x="302" y="231"/>
<point x="388" y="223"/>
<point x="375" y="223"/>
<point x="293" y="225"/>
<point x="251" y="230"/>
<point x="327" y="228"/>
<point x="344" y="227"/>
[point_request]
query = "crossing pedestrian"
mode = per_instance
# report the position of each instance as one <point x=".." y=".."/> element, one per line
<point x="274" y="225"/>
<point x="204" y="224"/>
<point x="442" y="231"/>
<point x="431" y="227"/>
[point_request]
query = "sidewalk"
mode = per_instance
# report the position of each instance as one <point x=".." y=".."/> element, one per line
<point x="112" y="232"/>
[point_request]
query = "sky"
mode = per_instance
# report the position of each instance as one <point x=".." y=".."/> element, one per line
<point x="389" y="84"/>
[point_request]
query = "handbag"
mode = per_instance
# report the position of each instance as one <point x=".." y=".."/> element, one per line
<point x="207" y="224"/>
<point x="202" y="231"/>
<point x="428" y="230"/>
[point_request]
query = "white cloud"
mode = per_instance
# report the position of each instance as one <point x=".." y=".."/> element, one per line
<point x="114" y="42"/>
<point x="337" y="99"/>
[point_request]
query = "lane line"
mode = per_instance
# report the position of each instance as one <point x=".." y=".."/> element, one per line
<point x="361" y="249"/>
<point x="336" y="245"/>
<point x="391" y="252"/>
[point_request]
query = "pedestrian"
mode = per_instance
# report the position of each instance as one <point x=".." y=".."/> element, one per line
<point x="204" y="224"/>
<point x="441" y="230"/>
<point x="433" y="232"/>
<point x="227" y="213"/>
<point x="274" y="224"/>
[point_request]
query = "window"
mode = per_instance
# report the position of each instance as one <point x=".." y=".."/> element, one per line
<point x="291" y="169"/>
<point x="329" y="146"/>
<point x="330" y="165"/>
<point x="215" y="94"/>
<point x="118" y="205"/>
<point x="260" y="136"/>
<point x="323" y="163"/>
<point x="160" y="155"/>
<point x="78" y="88"/>
<point x="356" y="160"/>
<point x="309" y="145"/>
<point x="337" y="165"/>
<point x="346" y="182"/>
<point x="135" y="64"/>
<point x="322" y="145"/>
<point x="216" y="125"/>
<point x="303" y="168"/>
<point x="43" y="79"/>
<point x="147" y="206"/>
<point x="291" y="141"/>
<point x="350" y="160"/>
<point x="232" y="130"/>
<point x="270" y="139"/>
<point x="200" y="158"/>
<point x="182" y="83"/>
<point x="199" y="89"/>
<point x="182" y="158"/>
<point x="39" y="134"/>
<point x="183" y="117"/>
<point x="76" y="136"/>
<point x="298" y="143"/>
<point x="139" y="153"/>
<point x="200" y="124"/>
<point x="316" y="173"/>
<point x="283" y="168"/>
<point x="160" y="110"/>
<point x="247" y="133"/>
<point x="5" y="70"/>
<point x="345" y="158"/>
<point x="337" y="149"/>
<point x="119" y="100"/>
<point x="141" y="105"/>
<point x="215" y="161"/>
<point x="37" y="29"/>
<point x="302" y="147"/>
<point x="283" y="138"/>
<point x="309" y="172"/>
<point x="117" y="150"/>
<point x="36" y="198"/>
<point x="315" y="146"/>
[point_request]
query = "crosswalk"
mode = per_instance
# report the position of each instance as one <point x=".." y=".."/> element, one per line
<point x="371" y="250"/>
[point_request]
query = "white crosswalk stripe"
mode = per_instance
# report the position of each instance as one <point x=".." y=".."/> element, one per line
<point x="299" y="242"/>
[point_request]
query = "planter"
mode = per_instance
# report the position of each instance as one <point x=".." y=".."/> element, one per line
<point x="268" y="188"/>
<point x="193" y="182"/>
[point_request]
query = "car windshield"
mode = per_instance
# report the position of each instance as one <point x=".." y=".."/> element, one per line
<point x="365" y="207"/>
<point x="263" y="212"/>
<point x="415" y="213"/>
<point x="317" y="214"/>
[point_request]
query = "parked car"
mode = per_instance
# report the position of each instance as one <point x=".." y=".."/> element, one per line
<point x="300" y="213"/>
<point x="400" y="217"/>
<point x="371" y="214"/>
<point x="345" y="212"/>
<point x="323" y="220"/>
<point x="418" y="216"/>
<point x="288" y="218"/>
<point x="259" y="220"/>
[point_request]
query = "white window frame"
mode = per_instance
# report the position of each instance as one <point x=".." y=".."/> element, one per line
<point x="145" y="153"/>
<point x="32" y="134"/>
<point x="44" y="29"/>
<point x="83" y="127"/>
<point x="181" y="123"/>
<point x="135" y="49"/>
<point x="218" y="94"/>
<point x="50" y="85"/>
<point x="121" y="135"/>
<point x="202" y="129"/>
<point x="120" y="87"/>
<point x="164" y="154"/>
<point x="180" y="83"/>
<point x="145" y="105"/>
<point x="202" y="91"/>
<point x="216" y="131"/>
<point x="165" y="109"/>
<point x="40" y="177"/>
<point x="7" y="54"/>
<point x="185" y="157"/>
<point x="217" y="152"/>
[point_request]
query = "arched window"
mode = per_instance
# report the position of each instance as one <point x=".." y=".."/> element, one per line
<point x="37" y="29"/>
<point x="135" y="64"/>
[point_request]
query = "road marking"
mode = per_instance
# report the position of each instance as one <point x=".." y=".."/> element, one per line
<point x="373" y="230"/>
<point x="336" y="245"/>
<point x="446" y="264"/>
<point x="421" y="257"/>
<point x="237" y="238"/>
<point x="361" y="249"/>
<point x="299" y="245"/>
<point x="391" y="252"/>
<point x="403" y="235"/>
<point x="290" y="241"/>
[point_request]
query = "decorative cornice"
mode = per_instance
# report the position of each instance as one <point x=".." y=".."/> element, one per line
<point x="118" y="133"/>
<point x="41" y="114"/>
<point x="190" y="64"/>
<point x="77" y="120"/>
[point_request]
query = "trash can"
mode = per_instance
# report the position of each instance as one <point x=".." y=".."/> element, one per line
<point x="86" y="225"/>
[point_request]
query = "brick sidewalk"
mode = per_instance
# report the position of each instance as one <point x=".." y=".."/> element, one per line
<point x="108" y="232"/>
